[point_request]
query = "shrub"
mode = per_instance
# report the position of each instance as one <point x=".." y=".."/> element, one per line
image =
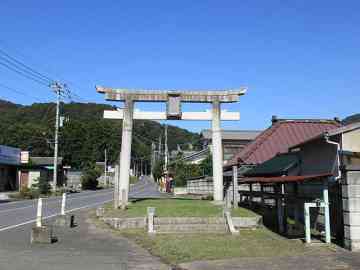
<point x="89" y="178"/>
<point x="28" y="193"/>
<point x="43" y="186"/>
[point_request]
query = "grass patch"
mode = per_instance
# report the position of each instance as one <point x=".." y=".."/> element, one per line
<point x="167" y="208"/>
<point x="243" y="212"/>
<point x="174" y="208"/>
<point x="180" y="248"/>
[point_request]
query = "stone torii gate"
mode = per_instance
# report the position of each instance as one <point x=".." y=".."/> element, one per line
<point x="173" y="100"/>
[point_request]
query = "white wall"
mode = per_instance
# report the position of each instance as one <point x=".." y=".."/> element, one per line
<point x="351" y="141"/>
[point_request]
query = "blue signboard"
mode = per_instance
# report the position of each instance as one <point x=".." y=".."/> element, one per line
<point x="9" y="155"/>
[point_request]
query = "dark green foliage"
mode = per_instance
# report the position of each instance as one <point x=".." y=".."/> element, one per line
<point x="84" y="136"/>
<point x="206" y="165"/>
<point x="89" y="178"/>
<point x="183" y="171"/>
<point x="43" y="186"/>
<point x="158" y="169"/>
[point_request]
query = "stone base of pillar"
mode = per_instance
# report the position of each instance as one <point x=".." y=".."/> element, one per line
<point x="352" y="245"/>
<point x="42" y="235"/>
<point x="65" y="221"/>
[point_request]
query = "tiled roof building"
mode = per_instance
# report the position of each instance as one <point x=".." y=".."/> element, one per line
<point x="282" y="134"/>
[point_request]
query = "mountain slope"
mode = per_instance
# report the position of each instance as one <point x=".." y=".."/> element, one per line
<point x="85" y="133"/>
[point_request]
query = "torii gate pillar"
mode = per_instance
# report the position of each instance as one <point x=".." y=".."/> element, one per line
<point x="125" y="154"/>
<point x="217" y="156"/>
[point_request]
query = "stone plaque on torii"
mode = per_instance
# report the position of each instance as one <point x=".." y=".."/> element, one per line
<point x="173" y="101"/>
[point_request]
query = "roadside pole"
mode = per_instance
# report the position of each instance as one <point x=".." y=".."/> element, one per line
<point x="57" y="88"/>
<point x="105" y="171"/>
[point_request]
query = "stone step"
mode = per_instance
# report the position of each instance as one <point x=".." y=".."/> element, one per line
<point x="191" y="228"/>
<point x="188" y="220"/>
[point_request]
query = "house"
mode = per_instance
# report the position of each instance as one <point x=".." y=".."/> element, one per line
<point x="233" y="141"/>
<point x="338" y="152"/>
<point x="324" y="169"/>
<point x="279" y="137"/>
<point x="40" y="167"/>
<point x="9" y="163"/>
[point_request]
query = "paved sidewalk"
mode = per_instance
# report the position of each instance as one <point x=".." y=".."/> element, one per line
<point x="84" y="247"/>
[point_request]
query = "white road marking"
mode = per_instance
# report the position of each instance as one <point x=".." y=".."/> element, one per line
<point x="57" y="201"/>
<point x="74" y="209"/>
<point x="54" y="215"/>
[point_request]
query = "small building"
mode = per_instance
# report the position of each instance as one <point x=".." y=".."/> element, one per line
<point x="337" y="151"/>
<point x="282" y="134"/>
<point x="9" y="163"/>
<point x="233" y="141"/>
<point x="40" y="167"/>
<point x="321" y="173"/>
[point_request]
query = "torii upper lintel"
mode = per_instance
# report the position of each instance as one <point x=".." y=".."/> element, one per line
<point x="189" y="96"/>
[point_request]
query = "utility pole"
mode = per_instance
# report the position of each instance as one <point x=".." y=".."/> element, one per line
<point x="159" y="153"/>
<point x="152" y="159"/>
<point x="166" y="147"/>
<point x="58" y="89"/>
<point x="105" y="169"/>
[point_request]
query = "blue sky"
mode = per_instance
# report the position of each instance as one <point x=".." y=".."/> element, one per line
<point x="298" y="59"/>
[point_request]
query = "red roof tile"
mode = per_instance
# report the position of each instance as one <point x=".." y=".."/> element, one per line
<point x="279" y="137"/>
<point x="283" y="179"/>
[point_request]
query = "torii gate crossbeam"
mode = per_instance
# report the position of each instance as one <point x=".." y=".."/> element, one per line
<point x="174" y="100"/>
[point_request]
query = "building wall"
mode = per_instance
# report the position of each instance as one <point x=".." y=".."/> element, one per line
<point x="351" y="141"/>
<point x="318" y="157"/>
<point x="351" y="209"/>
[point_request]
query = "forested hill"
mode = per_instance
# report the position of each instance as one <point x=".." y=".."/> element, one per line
<point x="84" y="135"/>
<point x="355" y="118"/>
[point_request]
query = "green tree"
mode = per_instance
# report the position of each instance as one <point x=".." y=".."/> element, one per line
<point x="206" y="165"/>
<point x="41" y="186"/>
<point x="158" y="169"/>
<point x="89" y="178"/>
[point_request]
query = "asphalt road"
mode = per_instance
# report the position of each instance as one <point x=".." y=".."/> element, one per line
<point x="15" y="214"/>
<point x="84" y="247"/>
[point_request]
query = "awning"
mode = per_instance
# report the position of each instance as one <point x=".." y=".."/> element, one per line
<point x="283" y="179"/>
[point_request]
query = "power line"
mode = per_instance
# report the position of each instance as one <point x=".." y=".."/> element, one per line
<point x="22" y="69"/>
<point x="24" y="74"/>
<point x="26" y="66"/>
<point x="19" y="92"/>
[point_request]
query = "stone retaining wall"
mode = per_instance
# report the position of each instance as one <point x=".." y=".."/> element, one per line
<point x="126" y="223"/>
<point x="351" y="210"/>
<point x="201" y="186"/>
<point x="183" y="224"/>
<point x="247" y="222"/>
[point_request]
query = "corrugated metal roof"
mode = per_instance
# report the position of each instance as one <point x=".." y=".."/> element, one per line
<point x="276" y="166"/>
<point x="283" y="179"/>
<point x="247" y="135"/>
<point x="279" y="137"/>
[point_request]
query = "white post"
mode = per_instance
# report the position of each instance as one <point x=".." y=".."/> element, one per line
<point x="106" y="184"/>
<point x="126" y="149"/>
<point x="63" y="204"/>
<point x="327" y="212"/>
<point x="235" y="187"/>
<point x="150" y="219"/>
<point x="39" y="213"/>
<point x="307" y="223"/>
<point x="217" y="157"/>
